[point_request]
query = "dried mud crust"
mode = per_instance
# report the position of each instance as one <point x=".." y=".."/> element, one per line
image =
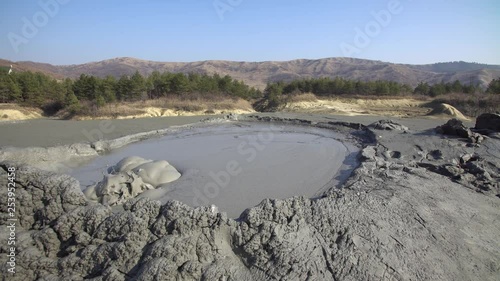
<point x="394" y="219"/>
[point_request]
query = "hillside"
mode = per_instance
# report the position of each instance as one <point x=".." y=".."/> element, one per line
<point x="257" y="74"/>
<point x="456" y="66"/>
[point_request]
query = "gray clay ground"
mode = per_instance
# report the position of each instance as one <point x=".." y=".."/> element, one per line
<point x="421" y="206"/>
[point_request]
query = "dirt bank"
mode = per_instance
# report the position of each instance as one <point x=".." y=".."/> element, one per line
<point x="164" y="107"/>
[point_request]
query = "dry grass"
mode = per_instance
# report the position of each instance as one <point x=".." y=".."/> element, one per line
<point x="374" y="97"/>
<point x="11" y="111"/>
<point x="179" y="105"/>
<point x="22" y="109"/>
<point x="196" y="103"/>
<point x="307" y="97"/>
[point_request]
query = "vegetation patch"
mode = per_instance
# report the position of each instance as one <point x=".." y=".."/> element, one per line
<point x="94" y="97"/>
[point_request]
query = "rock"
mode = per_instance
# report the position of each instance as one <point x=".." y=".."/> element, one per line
<point x="488" y="121"/>
<point x="465" y="158"/>
<point x="455" y="127"/>
<point x="388" y="125"/>
<point x="369" y="153"/>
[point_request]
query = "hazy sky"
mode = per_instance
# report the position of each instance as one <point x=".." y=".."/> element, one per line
<point x="404" y="31"/>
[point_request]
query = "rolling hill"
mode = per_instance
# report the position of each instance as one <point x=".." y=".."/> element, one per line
<point x="257" y="74"/>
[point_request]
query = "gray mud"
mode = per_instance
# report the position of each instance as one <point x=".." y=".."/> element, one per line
<point x="236" y="165"/>
<point x="51" y="132"/>
<point x="421" y="206"/>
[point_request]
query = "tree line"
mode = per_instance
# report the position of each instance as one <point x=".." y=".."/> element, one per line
<point x="276" y="93"/>
<point x="339" y="86"/>
<point x="39" y="90"/>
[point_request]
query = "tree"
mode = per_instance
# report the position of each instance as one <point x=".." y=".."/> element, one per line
<point x="138" y="86"/>
<point x="273" y="97"/>
<point x="100" y="101"/>
<point x="123" y="88"/>
<point x="494" y="87"/>
<point x="9" y="90"/>
<point x="437" y="90"/>
<point x="208" y="84"/>
<point x="154" y="82"/>
<point x="106" y="89"/>
<point x="31" y="88"/>
<point x="225" y="84"/>
<point x="85" y="88"/>
<point x="72" y="103"/>
<point x="381" y="88"/>
<point x="456" y="87"/>
<point x="422" y="89"/>
<point x="179" y="83"/>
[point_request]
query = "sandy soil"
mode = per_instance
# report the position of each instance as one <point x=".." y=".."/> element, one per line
<point x="405" y="108"/>
<point x="163" y="112"/>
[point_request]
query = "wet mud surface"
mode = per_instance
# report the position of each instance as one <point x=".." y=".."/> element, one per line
<point x="235" y="166"/>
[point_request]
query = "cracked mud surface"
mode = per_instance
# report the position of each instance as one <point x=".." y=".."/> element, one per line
<point x="422" y="206"/>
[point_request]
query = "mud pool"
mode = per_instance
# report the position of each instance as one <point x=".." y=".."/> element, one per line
<point x="235" y="166"/>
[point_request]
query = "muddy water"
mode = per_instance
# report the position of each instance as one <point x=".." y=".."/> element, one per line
<point x="235" y="166"/>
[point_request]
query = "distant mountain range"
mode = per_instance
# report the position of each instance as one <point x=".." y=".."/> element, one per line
<point x="257" y="74"/>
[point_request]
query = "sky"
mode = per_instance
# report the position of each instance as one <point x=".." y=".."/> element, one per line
<point x="63" y="32"/>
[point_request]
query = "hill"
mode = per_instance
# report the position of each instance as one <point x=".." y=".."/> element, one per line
<point x="257" y="74"/>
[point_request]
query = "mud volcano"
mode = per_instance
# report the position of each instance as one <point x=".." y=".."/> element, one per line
<point x="421" y="205"/>
<point x="235" y="166"/>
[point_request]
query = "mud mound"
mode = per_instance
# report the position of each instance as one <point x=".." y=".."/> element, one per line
<point x="443" y="109"/>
